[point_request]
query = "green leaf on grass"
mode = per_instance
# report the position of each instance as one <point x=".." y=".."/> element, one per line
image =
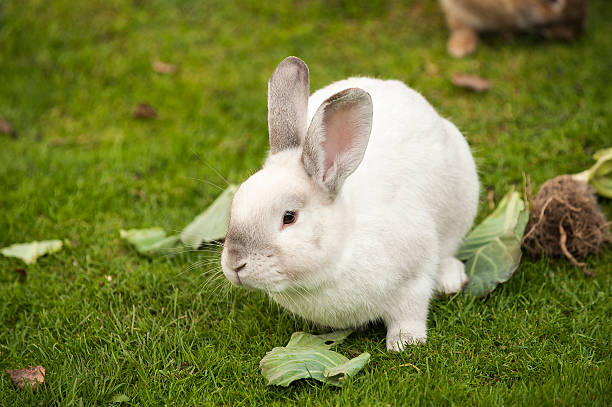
<point x="600" y="174"/>
<point x="309" y="356"/>
<point x="349" y="368"/>
<point x="211" y="224"/>
<point x="30" y="252"/>
<point x="120" y="398"/>
<point x="150" y="241"/>
<point x="492" y="250"/>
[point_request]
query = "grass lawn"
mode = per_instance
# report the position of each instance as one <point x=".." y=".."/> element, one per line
<point x="158" y="332"/>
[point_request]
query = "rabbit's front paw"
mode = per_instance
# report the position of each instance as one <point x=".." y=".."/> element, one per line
<point x="411" y="335"/>
<point x="451" y="276"/>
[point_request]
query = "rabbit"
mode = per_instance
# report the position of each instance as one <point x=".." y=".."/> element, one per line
<point x="359" y="208"/>
<point x="555" y="19"/>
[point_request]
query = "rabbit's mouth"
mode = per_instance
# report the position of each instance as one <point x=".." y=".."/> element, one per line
<point x="275" y="286"/>
<point x="254" y="272"/>
<point x="231" y="275"/>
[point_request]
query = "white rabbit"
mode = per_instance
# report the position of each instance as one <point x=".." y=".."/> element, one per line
<point x="357" y="216"/>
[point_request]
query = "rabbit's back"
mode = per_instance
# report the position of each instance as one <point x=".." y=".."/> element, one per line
<point x="417" y="164"/>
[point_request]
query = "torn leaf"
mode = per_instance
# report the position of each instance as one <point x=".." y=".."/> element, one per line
<point x="349" y="368"/>
<point x="29" y="376"/>
<point x="30" y="252"/>
<point x="492" y="250"/>
<point x="309" y="356"/>
<point x="211" y="224"/>
<point x="150" y="241"/>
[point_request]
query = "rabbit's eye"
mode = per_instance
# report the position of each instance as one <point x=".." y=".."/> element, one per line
<point x="289" y="217"/>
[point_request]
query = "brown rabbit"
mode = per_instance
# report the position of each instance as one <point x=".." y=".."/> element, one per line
<point x="562" y="19"/>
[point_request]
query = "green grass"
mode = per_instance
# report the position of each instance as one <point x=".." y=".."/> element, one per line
<point x="82" y="168"/>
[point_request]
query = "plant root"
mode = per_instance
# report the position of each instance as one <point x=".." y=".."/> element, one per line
<point x="566" y="221"/>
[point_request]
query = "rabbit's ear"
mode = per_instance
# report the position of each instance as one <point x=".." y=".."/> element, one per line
<point x="287" y="104"/>
<point x="337" y="138"/>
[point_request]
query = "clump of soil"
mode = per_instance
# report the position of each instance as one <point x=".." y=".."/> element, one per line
<point x="566" y="221"/>
<point x="6" y="128"/>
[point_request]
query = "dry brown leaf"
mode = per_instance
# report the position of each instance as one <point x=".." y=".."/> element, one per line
<point x="491" y="198"/>
<point x="33" y="375"/>
<point x="6" y="128"/>
<point x="144" y="111"/>
<point x="475" y="83"/>
<point x="21" y="271"/>
<point x="164" y="68"/>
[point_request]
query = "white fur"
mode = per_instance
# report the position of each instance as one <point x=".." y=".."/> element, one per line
<point x="380" y="248"/>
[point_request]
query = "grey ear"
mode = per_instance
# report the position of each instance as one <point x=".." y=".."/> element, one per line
<point x="337" y="138"/>
<point x="288" y="90"/>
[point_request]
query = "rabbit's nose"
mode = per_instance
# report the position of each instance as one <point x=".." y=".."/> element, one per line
<point x="239" y="268"/>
